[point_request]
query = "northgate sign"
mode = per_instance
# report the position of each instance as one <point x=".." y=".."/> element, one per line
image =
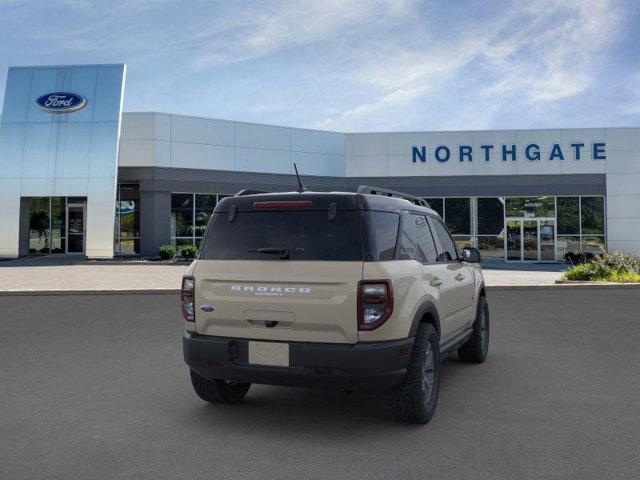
<point x="531" y="152"/>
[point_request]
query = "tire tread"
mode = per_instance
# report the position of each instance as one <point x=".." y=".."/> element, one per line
<point x="218" y="391"/>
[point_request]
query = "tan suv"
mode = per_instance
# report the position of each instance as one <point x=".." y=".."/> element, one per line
<point x="356" y="291"/>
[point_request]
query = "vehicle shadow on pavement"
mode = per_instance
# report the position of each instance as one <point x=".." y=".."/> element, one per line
<point x="314" y="411"/>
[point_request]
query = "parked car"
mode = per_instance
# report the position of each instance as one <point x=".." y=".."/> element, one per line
<point x="359" y="291"/>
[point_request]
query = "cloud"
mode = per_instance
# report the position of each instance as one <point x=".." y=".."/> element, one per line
<point x="285" y="25"/>
<point x="398" y="98"/>
<point x="535" y="55"/>
<point x="551" y="57"/>
<point x="342" y="64"/>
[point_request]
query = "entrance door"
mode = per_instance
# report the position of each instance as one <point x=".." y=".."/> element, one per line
<point x="530" y="240"/>
<point x="75" y="227"/>
<point x="513" y="240"/>
<point x="547" y="240"/>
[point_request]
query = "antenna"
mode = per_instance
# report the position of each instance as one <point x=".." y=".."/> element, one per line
<point x="300" y="185"/>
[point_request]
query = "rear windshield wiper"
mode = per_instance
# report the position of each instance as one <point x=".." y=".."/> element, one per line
<point x="284" y="254"/>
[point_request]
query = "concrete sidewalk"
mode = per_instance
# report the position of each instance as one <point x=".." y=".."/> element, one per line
<point x="498" y="273"/>
<point x="64" y="274"/>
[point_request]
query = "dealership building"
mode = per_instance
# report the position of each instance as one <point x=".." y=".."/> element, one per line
<point x="79" y="176"/>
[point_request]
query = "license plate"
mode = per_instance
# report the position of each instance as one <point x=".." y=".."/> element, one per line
<point x="269" y="353"/>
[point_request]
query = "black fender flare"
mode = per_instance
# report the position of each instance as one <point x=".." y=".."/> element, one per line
<point x="482" y="292"/>
<point x="427" y="307"/>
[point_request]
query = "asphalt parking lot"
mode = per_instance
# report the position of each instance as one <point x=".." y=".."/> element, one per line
<point x="95" y="387"/>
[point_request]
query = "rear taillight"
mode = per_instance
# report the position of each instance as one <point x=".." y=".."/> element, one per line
<point x="187" y="299"/>
<point x="375" y="303"/>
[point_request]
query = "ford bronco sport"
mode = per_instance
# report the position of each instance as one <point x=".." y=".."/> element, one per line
<point x="356" y="291"/>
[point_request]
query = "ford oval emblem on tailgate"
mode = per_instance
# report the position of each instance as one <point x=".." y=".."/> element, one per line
<point x="207" y="308"/>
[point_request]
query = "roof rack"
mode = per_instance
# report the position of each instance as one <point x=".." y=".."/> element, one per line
<point x="249" y="191"/>
<point x="368" y="190"/>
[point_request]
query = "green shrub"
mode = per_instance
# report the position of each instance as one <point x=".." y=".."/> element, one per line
<point x="582" y="271"/>
<point x="607" y="267"/>
<point x="188" y="252"/>
<point x="167" y="252"/>
<point x="617" y="260"/>
<point x="624" y="277"/>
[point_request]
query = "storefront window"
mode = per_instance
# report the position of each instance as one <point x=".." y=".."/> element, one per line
<point x="58" y="224"/>
<point x="567" y="244"/>
<point x="462" y="241"/>
<point x="491" y="246"/>
<point x="437" y="205"/>
<point x="490" y="216"/>
<point x="182" y="215"/>
<point x="568" y="216"/>
<point x="593" y="244"/>
<point x="48" y="224"/>
<point x="39" y="225"/>
<point x="190" y="213"/>
<point x="592" y="213"/>
<point x="457" y="215"/>
<point x="127" y="227"/>
<point x="204" y="208"/>
<point x="530" y="207"/>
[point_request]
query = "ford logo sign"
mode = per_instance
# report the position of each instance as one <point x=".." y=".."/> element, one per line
<point x="61" y="102"/>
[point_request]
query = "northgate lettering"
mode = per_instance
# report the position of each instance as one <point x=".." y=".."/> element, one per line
<point x="531" y="152"/>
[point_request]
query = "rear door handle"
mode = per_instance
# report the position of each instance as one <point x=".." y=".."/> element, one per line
<point x="436" y="282"/>
<point x="459" y="277"/>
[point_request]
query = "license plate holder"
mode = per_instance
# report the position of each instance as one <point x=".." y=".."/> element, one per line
<point x="274" y="354"/>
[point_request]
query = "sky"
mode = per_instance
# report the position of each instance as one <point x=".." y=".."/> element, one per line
<point x="351" y="65"/>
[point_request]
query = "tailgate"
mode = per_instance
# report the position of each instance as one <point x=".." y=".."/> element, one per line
<point x="305" y="301"/>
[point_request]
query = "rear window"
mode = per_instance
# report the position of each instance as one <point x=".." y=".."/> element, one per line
<point x="305" y="235"/>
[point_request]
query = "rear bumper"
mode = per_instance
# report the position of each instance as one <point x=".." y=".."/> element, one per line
<point x="375" y="367"/>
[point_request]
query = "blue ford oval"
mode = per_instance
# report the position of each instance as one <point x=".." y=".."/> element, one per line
<point x="61" y="102"/>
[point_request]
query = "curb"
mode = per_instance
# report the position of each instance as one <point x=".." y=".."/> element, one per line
<point x="581" y="282"/>
<point x="566" y="286"/>
<point x="179" y="263"/>
<point x="22" y="293"/>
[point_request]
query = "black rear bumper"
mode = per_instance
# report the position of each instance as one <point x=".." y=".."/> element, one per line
<point x="374" y="367"/>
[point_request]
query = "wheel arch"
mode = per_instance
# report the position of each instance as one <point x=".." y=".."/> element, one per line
<point x="426" y="313"/>
<point x="482" y="292"/>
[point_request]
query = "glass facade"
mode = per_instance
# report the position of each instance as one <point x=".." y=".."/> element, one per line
<point x="56" y="225"/>
<point x="189" y="215"/>
<point x="530" y="207"/>
<point x="457" y="215"/>
<point x="541" y="228"/>
<point x="127" y="226"/>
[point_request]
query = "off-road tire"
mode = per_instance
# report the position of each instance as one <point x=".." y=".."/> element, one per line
<point x="475" y="349"/>
<point x="414" y="401"/>
<point x="218" y="391"/>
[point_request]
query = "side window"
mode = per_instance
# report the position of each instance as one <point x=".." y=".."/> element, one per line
<point x="405" y="249"/>
<point x="425" y="246"/>
<point x="383" y="233"/>
<point x="448" y="247"/>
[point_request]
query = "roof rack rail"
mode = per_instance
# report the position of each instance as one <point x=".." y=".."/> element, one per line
<point x="249" y="191"/>
<point x="368" y="190"/>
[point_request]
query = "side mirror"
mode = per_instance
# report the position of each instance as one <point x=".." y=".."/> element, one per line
<point x="471" y="255"/>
